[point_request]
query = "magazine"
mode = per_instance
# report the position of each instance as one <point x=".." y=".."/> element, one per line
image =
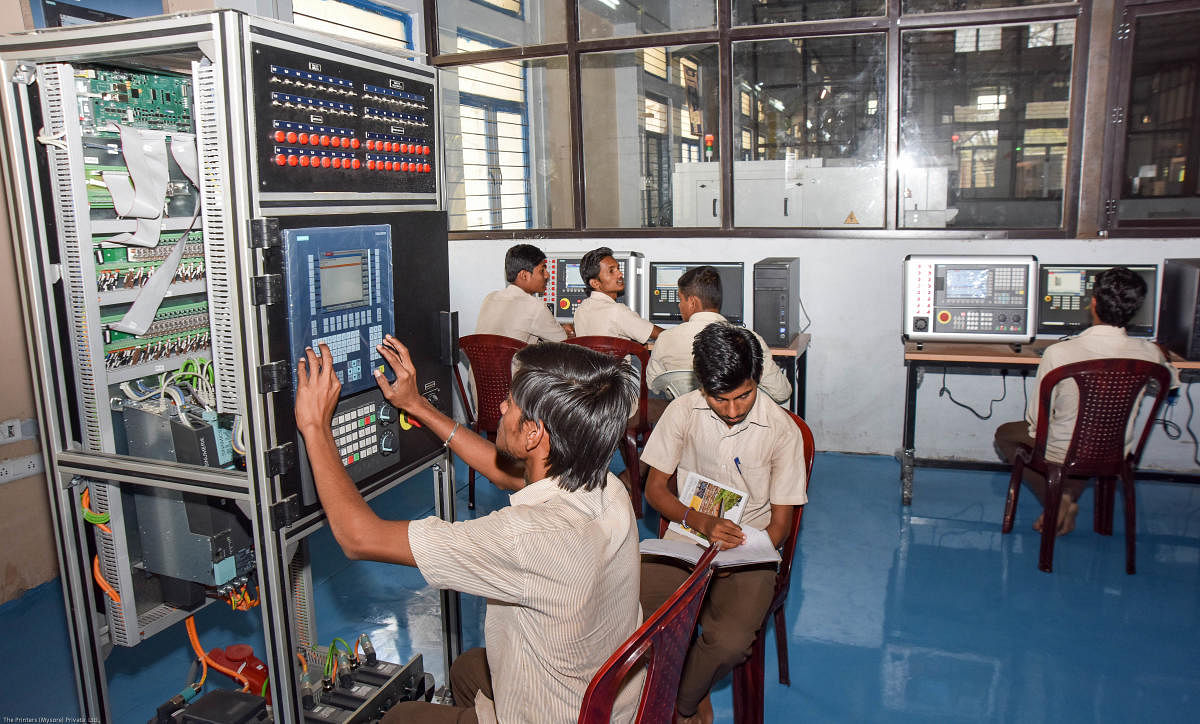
<point x="756" y="549"/>
<point x="708" y="496"/>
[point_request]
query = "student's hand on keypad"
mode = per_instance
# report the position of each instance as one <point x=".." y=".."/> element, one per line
<point x="317" y="390"/>
<point x="402" y="393"/>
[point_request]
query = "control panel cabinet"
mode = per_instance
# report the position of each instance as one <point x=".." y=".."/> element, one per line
<point x="970" y="298"/>
<point x="195" y="200"/>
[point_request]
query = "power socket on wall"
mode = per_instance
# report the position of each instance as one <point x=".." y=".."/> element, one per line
<point x="18" y="468"/>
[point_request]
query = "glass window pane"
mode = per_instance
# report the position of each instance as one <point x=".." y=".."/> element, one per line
<point x="971" y="101"/>
<point x="623" y="18"/>
<point x="759" y="12"/>
<point x="508" y="145"/>
<point x="1161" y="135"/>
<point x="819" y="157"/>
<point x="362" y="22"/>
<point x="502" y="23"/>
<point x="643" y="136"/>
<point x="941" y="6"/>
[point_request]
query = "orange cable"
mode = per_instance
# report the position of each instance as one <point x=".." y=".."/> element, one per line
<point x="303" y="662"/>
<point x="104" y="585"/>
<point x="86" y="501"/>
<point x="237" y="676"/>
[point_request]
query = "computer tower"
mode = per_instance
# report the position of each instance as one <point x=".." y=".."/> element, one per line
<point x="1179" y="307"/>
<point x="777" y="299"/>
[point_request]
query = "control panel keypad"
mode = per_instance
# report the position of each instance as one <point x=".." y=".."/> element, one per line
<point x="356" y="434"/>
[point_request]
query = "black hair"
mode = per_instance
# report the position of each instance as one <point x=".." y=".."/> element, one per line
<point x="725" y="356"/>
<point x="1119" y="293"/>
<point x="582" y="398"/>
<point x="589" y="266"/>
<point x="522" y="257"/>
<point x="703" y="282"/>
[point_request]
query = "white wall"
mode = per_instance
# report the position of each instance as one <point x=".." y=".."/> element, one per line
<point x="856" y="374"/>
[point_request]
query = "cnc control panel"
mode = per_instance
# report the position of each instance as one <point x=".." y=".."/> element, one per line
<point x="970" y="298"/>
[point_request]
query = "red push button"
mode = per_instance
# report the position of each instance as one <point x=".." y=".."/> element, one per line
<point x="293" y="160"/>
<point x="426" y="168"/>
<point x="326" y="163"/>
<point x="388" y="165"/>
<point x="303" y="139"/>
<point x="370" y="165"/>
<point x="404" y="166"/>
<point x="279" y="136"/>
<point x="280" y="160"/>
<point x="355" y="143"/>
<point x="324" y="140"/>
<point x="304" y="160"/>
<point x="345" y="142"/>
<point x="291" y="137"/>
<point x="337" y="163"/>
<point x="355" y="164"/>
<point x="314" y="140"/>
<point x="425" y="150"/>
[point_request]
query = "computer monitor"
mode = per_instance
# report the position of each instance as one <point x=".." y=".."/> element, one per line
<point x="1065" y="293"/>
<point x="663" y="304"/>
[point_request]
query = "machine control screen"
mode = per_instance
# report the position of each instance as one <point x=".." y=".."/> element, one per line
<point x="664" y="289"/>
<point x="984" y="299"/>
<point x="1065" y="293"/>
<point x="339" y="286"/>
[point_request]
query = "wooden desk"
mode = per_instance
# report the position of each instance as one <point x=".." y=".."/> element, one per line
<point x="983" y="357"/>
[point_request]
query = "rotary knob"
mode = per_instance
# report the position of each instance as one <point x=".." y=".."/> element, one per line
<point x="387" y="443"/>
<point x="387" y="413"/>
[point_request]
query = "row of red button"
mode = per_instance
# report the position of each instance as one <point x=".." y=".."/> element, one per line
<point x="397" y="147"/>
<point x="398" y="166"/>
<point x="316" y="162"/>
<point x="306" y="139"/>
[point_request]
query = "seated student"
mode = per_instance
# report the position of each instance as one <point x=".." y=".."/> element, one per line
<point x="514" y="311"/>
<point x="700" y="306"/>
<point x="600" y="314"/>
<point x="559" y="564"/>
<point x="725" y="431"/>
<point x="1117" y="295"/>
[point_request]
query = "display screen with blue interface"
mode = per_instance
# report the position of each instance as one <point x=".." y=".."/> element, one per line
<point x="339" y="289"/>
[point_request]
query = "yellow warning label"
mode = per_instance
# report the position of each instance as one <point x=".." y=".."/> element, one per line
<point x="851" y="219"/>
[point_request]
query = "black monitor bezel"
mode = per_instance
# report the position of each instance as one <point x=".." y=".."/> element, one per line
<point x="675" y="317"/>
<point x="1068" y="330"/>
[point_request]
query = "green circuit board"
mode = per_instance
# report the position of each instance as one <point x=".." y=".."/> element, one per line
<point x="157" y="101"/>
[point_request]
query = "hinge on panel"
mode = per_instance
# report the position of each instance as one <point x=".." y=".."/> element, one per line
<point x="24" y="74"/>
<point x="1123" y="31"/>
<point x="281" y="459"/>
<point x="274" y="377"/>
<point x="285" y="512"/>
<point x="267" y="289"/>
<point x="1110" y="212"/>
<point x="264" y="233"/>
<point x="1117" y="117"/>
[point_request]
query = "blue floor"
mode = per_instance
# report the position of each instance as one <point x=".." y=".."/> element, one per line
<point x="926" y="614"/>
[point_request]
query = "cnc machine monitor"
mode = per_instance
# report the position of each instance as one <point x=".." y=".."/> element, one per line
<point x="1065" y="292"/>
<point x="969" y="298"/>
<point x="663" y="305"/>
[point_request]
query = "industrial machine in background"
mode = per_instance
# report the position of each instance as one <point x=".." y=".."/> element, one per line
<point x="970" y="298"/>
<point x="195" y="200"/>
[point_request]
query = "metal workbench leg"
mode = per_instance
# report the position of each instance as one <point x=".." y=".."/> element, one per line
<point x="907" y="452"/>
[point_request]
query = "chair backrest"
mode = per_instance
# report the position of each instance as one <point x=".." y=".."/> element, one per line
<point x="676" y="383"/>
<point x="1109" y="390"/>
<point x="491" y="358"/>
<point x="619" y="348"/>
<point x="662" y="642"/>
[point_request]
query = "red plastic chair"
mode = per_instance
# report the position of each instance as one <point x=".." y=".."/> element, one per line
<point x="491" y="358"/>
<point x="639" y="429"/>
<point x="662" y="642"/>
<point x="748" y="688"/>
<point x="1109" y="390"/>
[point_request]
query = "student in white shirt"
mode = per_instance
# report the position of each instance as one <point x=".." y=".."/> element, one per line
<point x="514" y="311"/>
<point x="600" y="314"/>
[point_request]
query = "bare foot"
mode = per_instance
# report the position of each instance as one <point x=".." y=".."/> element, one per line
<point x="1067" y="510"/>
<point x="703" y="715"/>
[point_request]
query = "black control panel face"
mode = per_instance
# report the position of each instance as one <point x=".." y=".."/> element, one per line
<point x="331" y="124"/>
